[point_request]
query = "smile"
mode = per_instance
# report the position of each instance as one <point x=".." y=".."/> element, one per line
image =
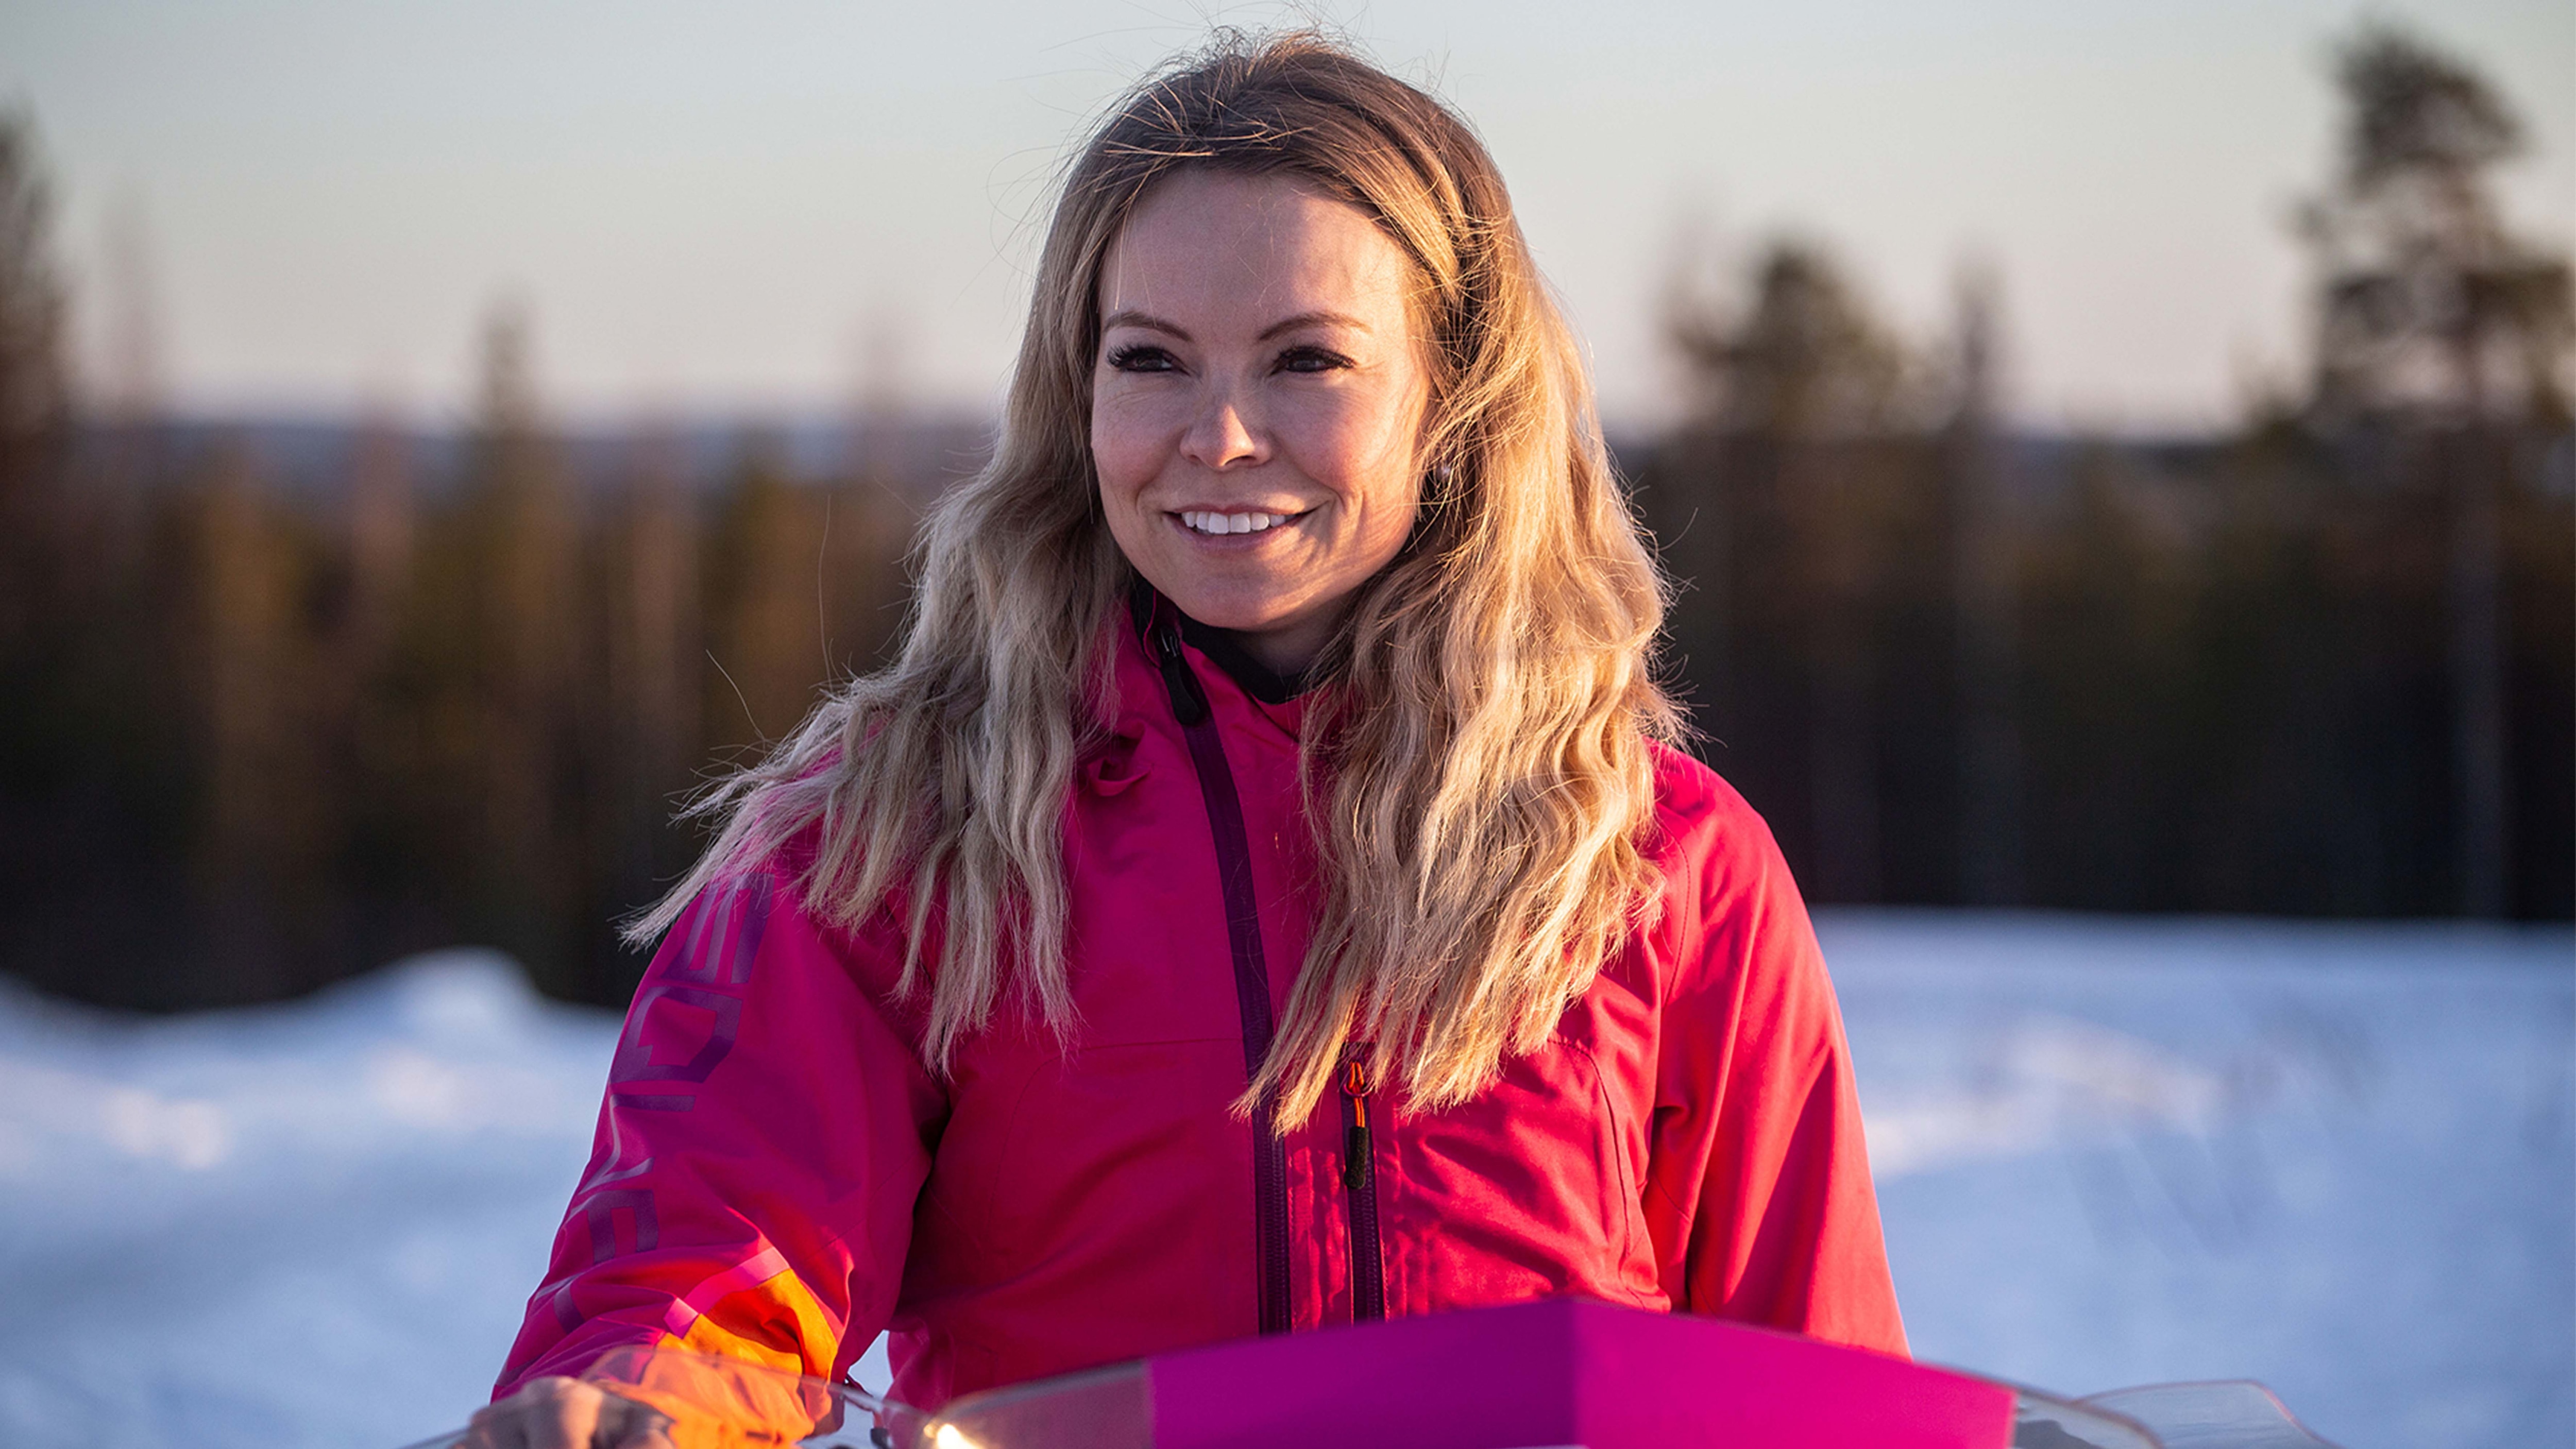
<point x="1217" y="524"/>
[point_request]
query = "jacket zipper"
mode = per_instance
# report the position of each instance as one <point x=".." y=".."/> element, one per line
<point x="1359" y="1181"/>
<point x="1251" y="972"/>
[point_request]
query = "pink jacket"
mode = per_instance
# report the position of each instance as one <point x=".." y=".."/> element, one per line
<point x="777" y="1176"/>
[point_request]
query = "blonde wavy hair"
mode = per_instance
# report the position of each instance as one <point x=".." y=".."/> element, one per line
<point x="1479" y="772"/>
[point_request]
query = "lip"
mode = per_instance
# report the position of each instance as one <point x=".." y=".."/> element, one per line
<point x="1292" y="515"/>
<point x="1290" y="511"/>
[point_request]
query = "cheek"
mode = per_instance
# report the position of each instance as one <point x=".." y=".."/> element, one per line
<point x="1126" y="446"/>
<point x="1391" y="514"/>
<point x="1366" y="447"/>
<point x="1356" y="440"/>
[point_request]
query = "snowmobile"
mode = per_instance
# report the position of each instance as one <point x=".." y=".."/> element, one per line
<point x="1554" y="1374"/>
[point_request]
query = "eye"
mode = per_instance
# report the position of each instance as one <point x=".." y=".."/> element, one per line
<point x="1310" y="358"/>
<point x="1142" y="357"/>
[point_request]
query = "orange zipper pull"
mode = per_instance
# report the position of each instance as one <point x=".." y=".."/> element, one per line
<point x="1355" y="1141"/>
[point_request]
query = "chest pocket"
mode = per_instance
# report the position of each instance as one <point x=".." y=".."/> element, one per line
<point x="1527" y="1191"/>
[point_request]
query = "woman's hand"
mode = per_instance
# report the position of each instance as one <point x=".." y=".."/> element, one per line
<point x="561" y="1413"/>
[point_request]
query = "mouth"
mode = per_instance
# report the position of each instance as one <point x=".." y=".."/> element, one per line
<point x="1210" y="523"/>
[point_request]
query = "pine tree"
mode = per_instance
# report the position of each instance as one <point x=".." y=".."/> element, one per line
<point x="2436" y="322"/>
<point x="1783" y="502"/>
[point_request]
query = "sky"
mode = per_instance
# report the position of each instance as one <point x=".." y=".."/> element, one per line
<point x="771" y="206"/>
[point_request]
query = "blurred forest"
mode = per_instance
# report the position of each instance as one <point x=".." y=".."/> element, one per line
<point x="278" y="706"/>
<point x="2320" y="665"/>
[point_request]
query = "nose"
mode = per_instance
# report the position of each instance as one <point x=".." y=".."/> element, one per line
<point x="1222" y="435"/>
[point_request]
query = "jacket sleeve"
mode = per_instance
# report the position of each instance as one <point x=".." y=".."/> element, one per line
<point x="766" y="1129"/>
<point x="1768" y="1215"/>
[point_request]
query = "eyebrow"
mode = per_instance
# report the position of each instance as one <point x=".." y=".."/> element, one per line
<point x="1130" y="317"/>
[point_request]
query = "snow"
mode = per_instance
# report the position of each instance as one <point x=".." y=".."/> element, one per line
<point x="2337" y="1158"/>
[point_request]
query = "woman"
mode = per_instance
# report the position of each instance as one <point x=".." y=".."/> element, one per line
<point x="1261" y="895"/>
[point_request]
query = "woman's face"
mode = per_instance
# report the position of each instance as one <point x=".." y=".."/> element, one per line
<point x="1257" y="405"/>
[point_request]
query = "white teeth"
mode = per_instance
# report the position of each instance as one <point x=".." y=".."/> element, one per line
<point x="1217" y="523"/>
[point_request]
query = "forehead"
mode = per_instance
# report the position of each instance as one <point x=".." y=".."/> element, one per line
<point x="1251" y="249"/>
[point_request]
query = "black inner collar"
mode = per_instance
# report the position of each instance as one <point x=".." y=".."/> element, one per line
<point x="1257" y="678"/>
<point x="1221" y="646"/>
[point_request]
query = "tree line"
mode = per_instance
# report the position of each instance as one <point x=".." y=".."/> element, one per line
<point x="256" y="735"/>
<point x="261" y="737"/>
<point x="2319" y="664"/>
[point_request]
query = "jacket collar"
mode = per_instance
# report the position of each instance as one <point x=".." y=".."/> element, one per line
<point x="1145" y="605"/>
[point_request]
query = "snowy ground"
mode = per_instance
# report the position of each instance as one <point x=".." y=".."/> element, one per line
<point x="2337" y="1158"/>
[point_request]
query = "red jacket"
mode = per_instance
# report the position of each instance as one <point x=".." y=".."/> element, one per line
<point x="777" y="1176"/>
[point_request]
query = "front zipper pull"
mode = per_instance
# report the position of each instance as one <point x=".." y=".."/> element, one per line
<point x="1355" y="1138"/>
<point x="1189" y="702"/>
